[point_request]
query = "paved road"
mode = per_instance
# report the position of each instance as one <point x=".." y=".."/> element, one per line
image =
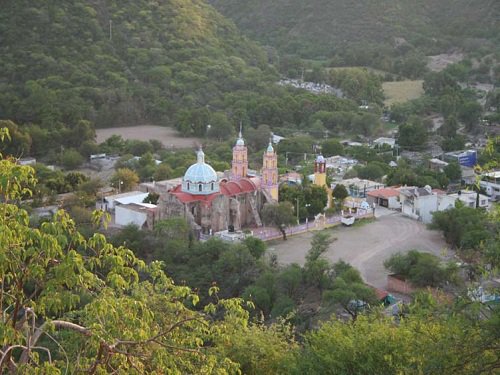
<point x="367" y="246"/>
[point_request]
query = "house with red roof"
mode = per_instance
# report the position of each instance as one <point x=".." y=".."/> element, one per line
<point x="386" y="197"/>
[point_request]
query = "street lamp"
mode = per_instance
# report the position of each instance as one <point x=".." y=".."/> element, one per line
<point x="307" y="217"/>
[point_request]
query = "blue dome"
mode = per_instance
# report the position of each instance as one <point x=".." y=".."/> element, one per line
<point x="270" y="148"/>
<point x="200" y="178"/>
<point x="320" y="159"/>
<point x="240" y="142"/>
<point x="203" y="173"/>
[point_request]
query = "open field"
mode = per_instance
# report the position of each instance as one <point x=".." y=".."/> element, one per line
<point x="367" y="68"/>
<point x="168" y="136"/>
<point x="402" y="91"/>
<point x="367" y="246"/>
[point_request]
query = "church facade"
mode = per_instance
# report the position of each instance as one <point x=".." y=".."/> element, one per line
<point x="211" y="204"/>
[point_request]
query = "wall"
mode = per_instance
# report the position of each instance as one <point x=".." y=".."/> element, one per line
<point x="125" y="216"/>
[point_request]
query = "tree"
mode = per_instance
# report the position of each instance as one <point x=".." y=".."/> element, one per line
<point x="316" y="268"/>
<point x="349" y="291"/>
<point x="412" y="135"/>
<point x="279" y="215"/>
<point x="470" y="113"/>
<point x="339" y="194"/>
<point x="124" y="179"/>
<point x="88" y="297"/>
<point x="453" y="171"/>
<point x="332" y="147"/>
<point x="71" y="159"/>
<point x="422" y="269"/>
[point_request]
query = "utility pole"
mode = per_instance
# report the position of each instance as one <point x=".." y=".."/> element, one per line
<point x="298" y="222"/>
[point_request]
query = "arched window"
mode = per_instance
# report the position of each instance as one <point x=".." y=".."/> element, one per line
<point x="212" y="187"/>
<point x="199" y="187"/>
<point x="188" y="185"/>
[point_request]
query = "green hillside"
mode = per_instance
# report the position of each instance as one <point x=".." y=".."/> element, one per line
<point x="118" y="62"/>
<point x="322" y="28"/>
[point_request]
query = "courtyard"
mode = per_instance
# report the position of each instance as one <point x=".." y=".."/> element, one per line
<point x="366" y="245"/>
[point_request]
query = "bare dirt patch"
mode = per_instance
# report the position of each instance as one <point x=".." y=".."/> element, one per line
<point x="402" y="91"/>
<point x="168" y="136"/>
<point x="367" y="246"/>
<point x="439" y="62"/>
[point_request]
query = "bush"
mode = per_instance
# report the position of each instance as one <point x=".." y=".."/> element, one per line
<point x="71" y="159"/>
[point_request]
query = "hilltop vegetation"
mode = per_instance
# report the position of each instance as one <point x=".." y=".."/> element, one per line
<point x="118" y="62"/>
<point x="367" y="32"/>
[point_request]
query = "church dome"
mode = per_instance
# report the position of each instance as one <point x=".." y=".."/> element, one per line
<point x="270" y="148"/>
<point x="200" y="178"/>
<point x="240" y="142"/>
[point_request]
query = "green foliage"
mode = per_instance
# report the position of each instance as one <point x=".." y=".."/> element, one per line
<point x="332" y="147"/>
<point x="311" y="199"/>
<point x="463" y="227"/>
<point x="453" y="171"/>
<point x="71" y="159"/>
<point x="349" y="291"/>
<point x="422" y="269"/>
<point x="279" y="215"/>
<point x="421" y="343"/>
<point x="413" y="135"/>
<point x="393" y="36"/>
<point x="124" y="179"/>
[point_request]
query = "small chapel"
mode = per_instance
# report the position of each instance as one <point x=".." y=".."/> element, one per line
<point x="211" y="203"/>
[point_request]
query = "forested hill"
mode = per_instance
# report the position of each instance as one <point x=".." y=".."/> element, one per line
<point x="321" y="28"/>
<point x="118" y="61"/>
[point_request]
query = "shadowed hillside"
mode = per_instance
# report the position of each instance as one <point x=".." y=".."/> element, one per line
<point x="322" y="28"/>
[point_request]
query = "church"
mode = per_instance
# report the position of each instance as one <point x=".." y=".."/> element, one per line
<point x="211" y="203"/>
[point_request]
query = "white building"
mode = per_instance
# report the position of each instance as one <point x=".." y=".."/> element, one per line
<point x="469" y="198"/>
<point x="384" y="141"/>
<point x="490" y="182"/>
<point x="358" y="188"/>
<point x="140" y="214"/>
<point x="26" y="161"/>
<point x="387" y="197"/>
<point x="420" y="203"/>
<point x="111" y="201"/>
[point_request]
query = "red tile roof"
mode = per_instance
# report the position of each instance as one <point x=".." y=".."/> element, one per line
<point x="230" y="189"/>
<point x="384" y="193"/>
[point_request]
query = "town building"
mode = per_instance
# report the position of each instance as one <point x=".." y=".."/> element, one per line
<point x="358" y="188"/>
<point x="139" y="214"/>
<point x="386" y="197"/>
<point x="467" y="158"/>
<point x="490" y="182"/>
<point x="470" y="198"/>
<point x="379" y="142"/>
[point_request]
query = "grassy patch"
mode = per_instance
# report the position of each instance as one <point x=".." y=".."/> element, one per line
<point x="402" y="91"/>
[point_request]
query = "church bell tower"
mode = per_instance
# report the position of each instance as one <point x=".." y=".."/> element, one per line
<point x="270" y="171"/>
<point x="239" y="165"/>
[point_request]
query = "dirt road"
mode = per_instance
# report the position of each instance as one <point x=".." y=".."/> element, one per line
<point x="368" y="245"/>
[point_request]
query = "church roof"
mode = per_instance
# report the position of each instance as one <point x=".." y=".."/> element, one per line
<point x="230" y="188"/>
<point x="200" y="172"/>
<point x="241" y="186"/>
